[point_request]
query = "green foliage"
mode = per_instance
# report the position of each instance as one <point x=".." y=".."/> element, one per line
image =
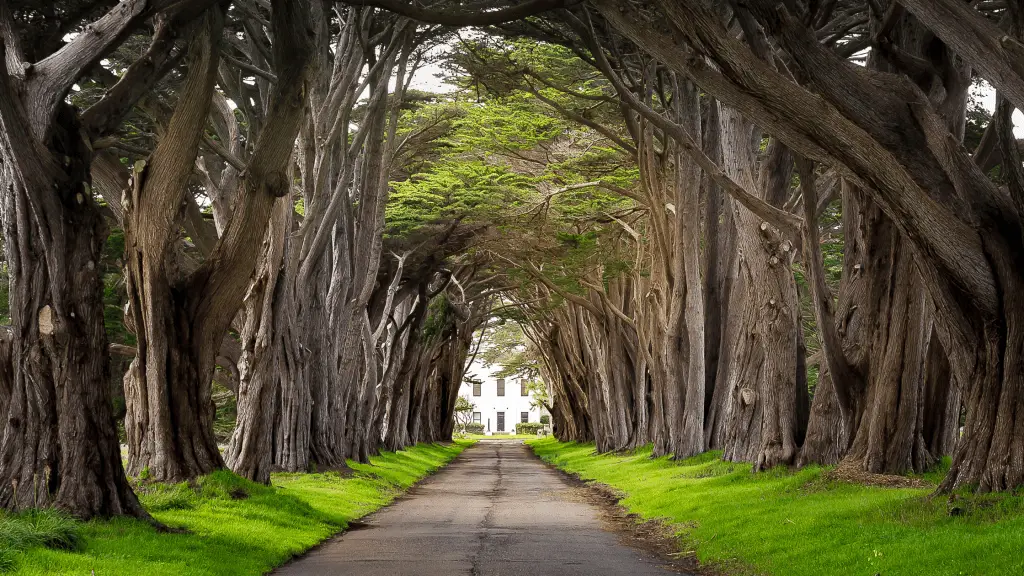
<point x="538" y="390"/>
<point x="33" y="529"/>
<point x="438" y="317"/>
<point x="505" y="345"/>
<point x="220" y="485"/>
<point x="474" y="428"/>
<point x="463" y="405"/>
<point x="803" y="523"/>
<point x="227" y="412"/>
<point x="545" y="419"/>
<point x="469" y="172"/>
<point x="463" y="190"/>
<point x="978" y="116"/>
<point x="236" y="527"/>
<point x="529" y="428"/>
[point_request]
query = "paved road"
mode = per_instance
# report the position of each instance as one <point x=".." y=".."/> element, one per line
<point x="495" y="511"/>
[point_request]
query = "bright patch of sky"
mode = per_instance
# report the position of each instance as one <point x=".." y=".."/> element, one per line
<point x="986" y="96"/>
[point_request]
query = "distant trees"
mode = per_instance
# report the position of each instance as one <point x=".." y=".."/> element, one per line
<point x="463" y="412"/>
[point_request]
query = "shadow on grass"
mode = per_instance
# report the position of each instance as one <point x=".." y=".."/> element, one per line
<point x="801" y="522"/>
<point x="236" y="527"/>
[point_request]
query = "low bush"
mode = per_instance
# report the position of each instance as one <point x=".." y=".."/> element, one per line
<point x="474" y="428"/>
<point x="545" y="419"/>
<point x="529" y="428"/>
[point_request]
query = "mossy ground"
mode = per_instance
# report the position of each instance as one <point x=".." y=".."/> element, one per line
<point x="235" y="527"/>
<point x="801" y="523"/>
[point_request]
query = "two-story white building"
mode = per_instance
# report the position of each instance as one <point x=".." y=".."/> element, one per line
<point x="498" y="403"/>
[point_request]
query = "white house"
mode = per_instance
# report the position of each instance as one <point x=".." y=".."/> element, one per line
<point x="498" y="403"/>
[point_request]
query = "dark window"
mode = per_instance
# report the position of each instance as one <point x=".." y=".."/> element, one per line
<point x="524" y="390"/>
<point x="501" y="422"/>
<point x="524" y="417"/>
<point x="476" y="417"/>
<point x="476" y="388"/>
<point x="501" y="386"/>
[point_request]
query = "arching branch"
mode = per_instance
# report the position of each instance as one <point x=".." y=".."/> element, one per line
<point x="462" y="17"/>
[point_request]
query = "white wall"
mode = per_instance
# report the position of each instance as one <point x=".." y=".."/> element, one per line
<point x="489" y="404"/>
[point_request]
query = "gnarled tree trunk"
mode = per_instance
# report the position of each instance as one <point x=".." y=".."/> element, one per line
<point x="59" y="442"/>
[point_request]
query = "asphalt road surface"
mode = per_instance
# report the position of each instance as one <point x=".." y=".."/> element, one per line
<point x="495" y="511"/>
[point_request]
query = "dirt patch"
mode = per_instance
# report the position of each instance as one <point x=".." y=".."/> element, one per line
<point x="855" y="475"/>
<point x="653" y="536"/>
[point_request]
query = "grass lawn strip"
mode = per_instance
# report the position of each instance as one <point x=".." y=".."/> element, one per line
<point x="801" y="523"/>
<point x="236" y="527"/>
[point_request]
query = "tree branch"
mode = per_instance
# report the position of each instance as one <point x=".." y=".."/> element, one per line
<point x="463" y="17"/>
<point x="844" y="377"/>
<point x="105" y="115"/>
<point x="998" y="55"/>
<point x="52" y="77"/>
<point x="781" y="219"/>
<point x="222" y="278"/>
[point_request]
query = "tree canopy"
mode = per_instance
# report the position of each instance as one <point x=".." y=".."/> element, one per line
<point x="790" y="231"/>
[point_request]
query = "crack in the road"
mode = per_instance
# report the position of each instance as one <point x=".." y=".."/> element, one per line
<point x="486" y="523"/>
<point x="495" y="510"/>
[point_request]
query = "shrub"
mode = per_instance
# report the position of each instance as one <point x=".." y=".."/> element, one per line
<point x="545" y="419"/>
<point x="48" y="528"/>
<point x="34" y="528"/>
<point x="474" y="428"/>
<point x="529" y="427"/>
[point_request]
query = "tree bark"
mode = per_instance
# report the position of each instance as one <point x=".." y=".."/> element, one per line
<point x="769" y="405"/>
<point x="169" y="423"/>
<point x="263" y="365"/>
<point x="59" y="446"/>
<point x="181" y="322"/>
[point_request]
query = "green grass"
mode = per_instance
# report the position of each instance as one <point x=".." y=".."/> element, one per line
<point x="235" y="527"/>
<point x="785" y="523"/>
<point x="36" y="528"/>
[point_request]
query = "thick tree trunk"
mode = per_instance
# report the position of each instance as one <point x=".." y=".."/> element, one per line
<point x="990" y="454"/>
<point x="59" y="446"/>
<point x="882" y="316"/>
<point x="251" y="451"/>
<point x="169" y="423"/>
<point x="827" y="437"/>
<point x="767" y="339"/>
<point x="741" y="439"/>
<point x="888" y="437"/>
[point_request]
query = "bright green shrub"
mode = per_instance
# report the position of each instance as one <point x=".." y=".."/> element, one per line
<point x="529" y="427"/>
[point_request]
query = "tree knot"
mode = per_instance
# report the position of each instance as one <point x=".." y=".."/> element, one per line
<point x="277" y="184"/>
